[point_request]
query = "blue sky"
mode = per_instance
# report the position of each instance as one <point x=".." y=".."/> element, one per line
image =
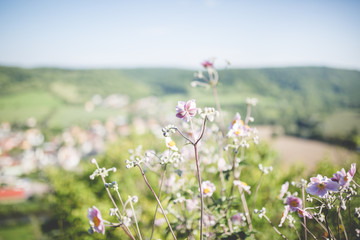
<point x="179" y="33"/>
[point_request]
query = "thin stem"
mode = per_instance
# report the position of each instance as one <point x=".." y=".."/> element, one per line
<point x="308" y="230"/>
<point x="136" y="221"/>
<point x="193" y="131"/>
<point x="157" y="199"/>
<point x="248" y="114"/>
<point x="202" y="132"/>
<point x="296" y="231"/>
<point x="303" y="199"/>
<point x="275" y="228"/>
<point x="233" y="170"/>
<point x="342" y="223"/>
<point x="322" y="225"/>
<point x="246" y="209"/>
<point x="122" y="203"/>
<point x="201" y="191"/>
<point x="256" y="191"/>
<point x="350" y="218"/>
<point x="188" y="139"/>
<point x="327" y="224"/>
<point x="123" y="226"/>
<point x="157" y="205"/>
<point x="338" y="225"/>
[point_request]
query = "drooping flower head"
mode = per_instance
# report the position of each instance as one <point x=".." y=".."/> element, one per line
<point x="186" y="110"/>
<point x="96" y="220"/>
<point x="208" y="188"/>
<point x="302" y="213"/>
<point x="284" y="215"/>
<point x="294" y="203"/>
<point x="344" y="178"/>
<point x="320" y="186"/>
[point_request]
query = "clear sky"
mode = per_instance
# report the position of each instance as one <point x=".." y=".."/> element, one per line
<point x="179" y="33"/>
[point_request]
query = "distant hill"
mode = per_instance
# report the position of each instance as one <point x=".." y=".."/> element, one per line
<point x="307" y="101"/>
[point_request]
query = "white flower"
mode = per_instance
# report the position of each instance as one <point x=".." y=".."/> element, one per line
<point x="251" y="101"/>
<point x="208" y="188"/>
<point x="242" y="185"/>
<point x="171" y="144"/>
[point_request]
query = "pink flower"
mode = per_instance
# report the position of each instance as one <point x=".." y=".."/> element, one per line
<point x="96" y="220"/>
<point x="284" y="215"/>
<point x="207" y="64"/>
<point x="294" y="203"/>
<point x="320" y="186"/>
<point x="343" y="178"/>
<point x="186" y="110"/>
<point x="283" y="190"/>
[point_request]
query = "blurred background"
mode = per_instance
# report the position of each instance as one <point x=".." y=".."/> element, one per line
<point x="84" y="79"/>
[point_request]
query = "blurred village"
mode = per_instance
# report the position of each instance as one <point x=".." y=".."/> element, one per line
<point x="24" y="150"/>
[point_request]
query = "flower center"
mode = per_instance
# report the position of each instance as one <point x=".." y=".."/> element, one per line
<point x="171" y="143"/>
<point x="237" y="132"/>
<point x="345" y="178"/>
<point x="321" y="186"/>
<point x="244" y="184"/>
<point x="96" y="221"/>
<point x="206" y="190"/>
<point x="294" y="203"/>
<point x="301" y="212"/>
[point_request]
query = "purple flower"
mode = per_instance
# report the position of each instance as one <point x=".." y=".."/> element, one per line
<point x="238" y="219"/>
<point x="207" y="64"/>
<point x="186" y="110"/>
<point x="96" y="220"/>
<point x="343" y="178"/>
<point x="321" y="185"/>
<point x="294" y="203"/>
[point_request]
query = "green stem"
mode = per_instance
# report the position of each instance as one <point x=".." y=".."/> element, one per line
<point x="256" y="191"/>
<point x="157" y="199"/>
<point x="157" y="205"/>
<point x="201" y="191"/>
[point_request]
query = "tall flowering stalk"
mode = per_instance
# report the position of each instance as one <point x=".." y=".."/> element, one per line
<point x="186" y="111"/>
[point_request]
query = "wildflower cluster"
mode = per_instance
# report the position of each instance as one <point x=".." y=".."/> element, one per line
<point x="200" y="170"/>
<point x="328" y="193"/>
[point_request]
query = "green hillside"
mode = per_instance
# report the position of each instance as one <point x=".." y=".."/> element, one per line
<point x="307" y="101"/>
